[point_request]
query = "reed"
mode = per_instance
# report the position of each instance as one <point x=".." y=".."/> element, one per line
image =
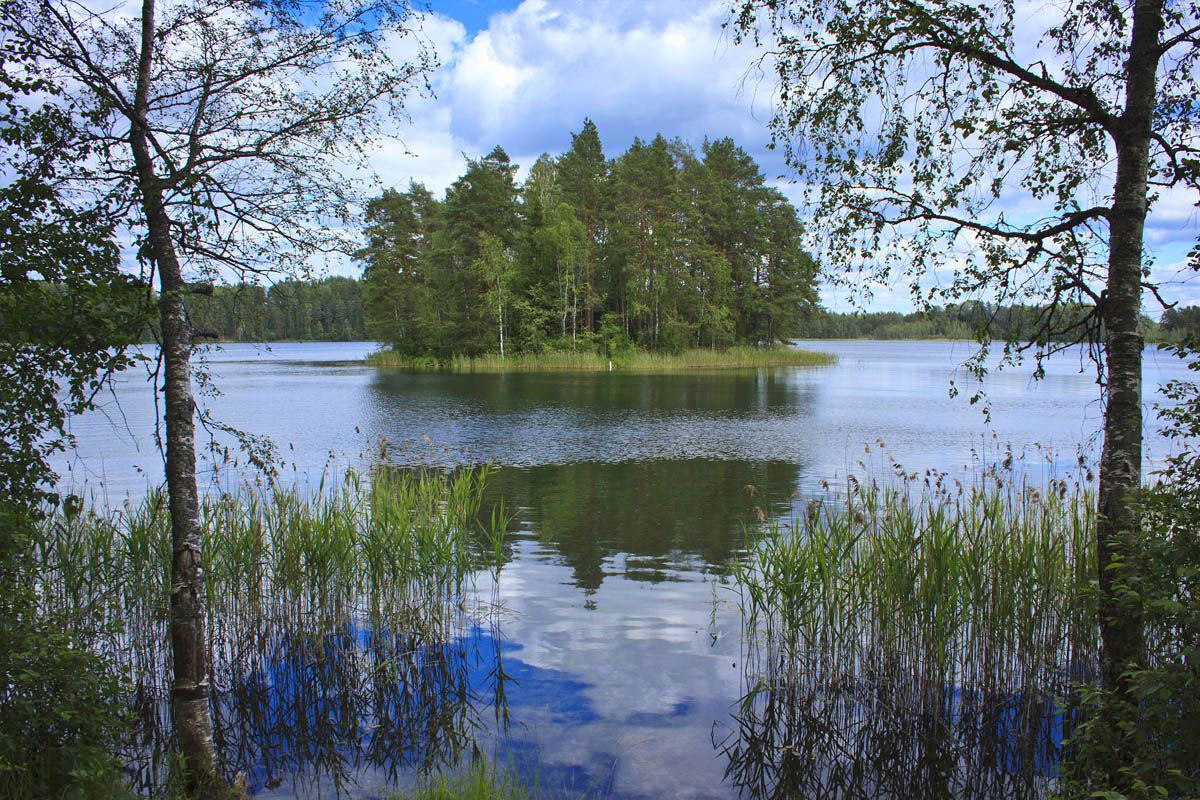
<point x="586" y="361"/>
<point x="398" y="544"/>
<point x="985" y="579"/>
<point x="477" y="782"/>
<point x="955" y="619"/>
<point x="360" y="589"/>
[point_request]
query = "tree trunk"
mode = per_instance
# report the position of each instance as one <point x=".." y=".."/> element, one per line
<point x="1121" y="461"/>
<point x="189" y="655"/>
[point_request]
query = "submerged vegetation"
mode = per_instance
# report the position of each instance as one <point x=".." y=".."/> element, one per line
<point x="629" y="361"/>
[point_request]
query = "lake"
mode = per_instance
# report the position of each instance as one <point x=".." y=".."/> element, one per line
<point x="614" y="664"/>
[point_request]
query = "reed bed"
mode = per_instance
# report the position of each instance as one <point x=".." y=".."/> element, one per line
<point x="567" y="361"/>
<point x="332" y="594"/>
<point x="895" y="623"/>
<point x="399" y="545"/>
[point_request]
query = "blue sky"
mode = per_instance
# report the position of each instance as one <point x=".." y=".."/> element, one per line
<point x="524" y="75"/>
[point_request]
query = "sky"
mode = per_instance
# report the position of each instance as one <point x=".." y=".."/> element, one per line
<point x="525" y="75"/>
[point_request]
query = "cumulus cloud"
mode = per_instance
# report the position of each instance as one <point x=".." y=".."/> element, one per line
<point x="529" y="79"/>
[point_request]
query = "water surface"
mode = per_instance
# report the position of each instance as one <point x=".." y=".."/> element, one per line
<point x="617" y="637"/>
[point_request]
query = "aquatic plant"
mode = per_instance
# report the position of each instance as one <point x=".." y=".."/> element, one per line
<point x="319" y="599"/>
<point x="917" y="638"/>
<point x="634" y="361"/>
<point x="480" y="781"/>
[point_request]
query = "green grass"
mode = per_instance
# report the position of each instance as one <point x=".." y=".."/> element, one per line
<point x="397" y="544"/>
<point x="916" y="638"/>
<point x="479" y="782"/>
<point x="984" y="586"/>
<point x="565" y="361"/>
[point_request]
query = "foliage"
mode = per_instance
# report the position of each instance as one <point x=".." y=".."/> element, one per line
<point x="286" y="311"/>
<point x="914" y="123"/>
<point x="973" y="149"/>
<point x="1159" y="725"/>
<point x="1181" y="323"/>
<point x="670" y="249"/>
<point x="67" y="311"/>
<point x="60" y="710"/>
<point x="219" y="136"/>
<point x="67" y="314"/>
<point x="253" y="113"/>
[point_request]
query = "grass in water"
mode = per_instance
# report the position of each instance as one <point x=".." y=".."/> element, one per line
<point x="359" y="593"/>
<point x="563" y="361"/>
<point x="479" y="782"/>
<point x="392" y="542"/>
<point x="915" y="639"/>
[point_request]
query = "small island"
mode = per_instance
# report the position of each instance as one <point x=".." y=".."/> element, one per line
<point x="663" y="259"/>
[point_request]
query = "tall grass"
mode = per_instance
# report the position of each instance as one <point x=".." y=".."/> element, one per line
<point x="584" y="361"/>
<point x="357" y="592"/>
<point x="478" y="782"/>
<point x="394" y="537"/>
<point x="953" y="619"/>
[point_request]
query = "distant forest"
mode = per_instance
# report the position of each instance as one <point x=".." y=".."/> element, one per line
<point x="661" y="248"/>
<point x="333" y="310"/>
<point x="967" y="320"/>
<point x="323" y="310"/>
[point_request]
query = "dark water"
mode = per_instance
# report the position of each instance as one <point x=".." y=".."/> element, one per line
<point x="614" y="665"/>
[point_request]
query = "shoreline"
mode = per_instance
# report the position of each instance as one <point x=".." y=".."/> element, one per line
<point x="699" y="360"/>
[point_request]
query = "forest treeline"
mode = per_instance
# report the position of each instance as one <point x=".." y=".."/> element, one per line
<point x="333" y="309"/>
<point x="662" y="248"/>
<point x="969" y="320"/>
<point x="317" y="310"/>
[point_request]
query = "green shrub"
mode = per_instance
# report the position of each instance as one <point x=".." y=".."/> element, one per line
<point x="60" y="709"/>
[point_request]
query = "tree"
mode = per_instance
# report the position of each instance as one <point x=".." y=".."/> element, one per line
<point x="556" y="250"/>
<point x="912" y="119"/>
<point x="218" y="133"/>
<point x="67" y="312"/>
<point x="396" y="278"/>
<point x="646" y="218"/>
<point x="583" y="176"/>
<point x="663" y="249"/>
<point x="495" y="265"/>
<point x="483" y="202"/>
<point x="67" y="318"/>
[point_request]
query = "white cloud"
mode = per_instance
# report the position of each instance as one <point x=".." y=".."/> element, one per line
<point x="528" y="81"/>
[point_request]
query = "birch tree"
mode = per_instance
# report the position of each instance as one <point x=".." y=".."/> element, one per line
<point x="1004" y="149"/>
<point x="219" y="133"/>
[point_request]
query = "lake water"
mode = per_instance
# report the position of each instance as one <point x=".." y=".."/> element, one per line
<point x="617" y="640"/>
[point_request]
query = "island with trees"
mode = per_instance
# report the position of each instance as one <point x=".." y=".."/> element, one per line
<point x="660" y="250"/>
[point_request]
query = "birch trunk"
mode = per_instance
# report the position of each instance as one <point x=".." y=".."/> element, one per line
<point x="1119" y="521"/>
<point x="189" y="656"/>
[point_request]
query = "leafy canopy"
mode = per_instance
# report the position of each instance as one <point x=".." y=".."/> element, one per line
<point x="966" y="149"/>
